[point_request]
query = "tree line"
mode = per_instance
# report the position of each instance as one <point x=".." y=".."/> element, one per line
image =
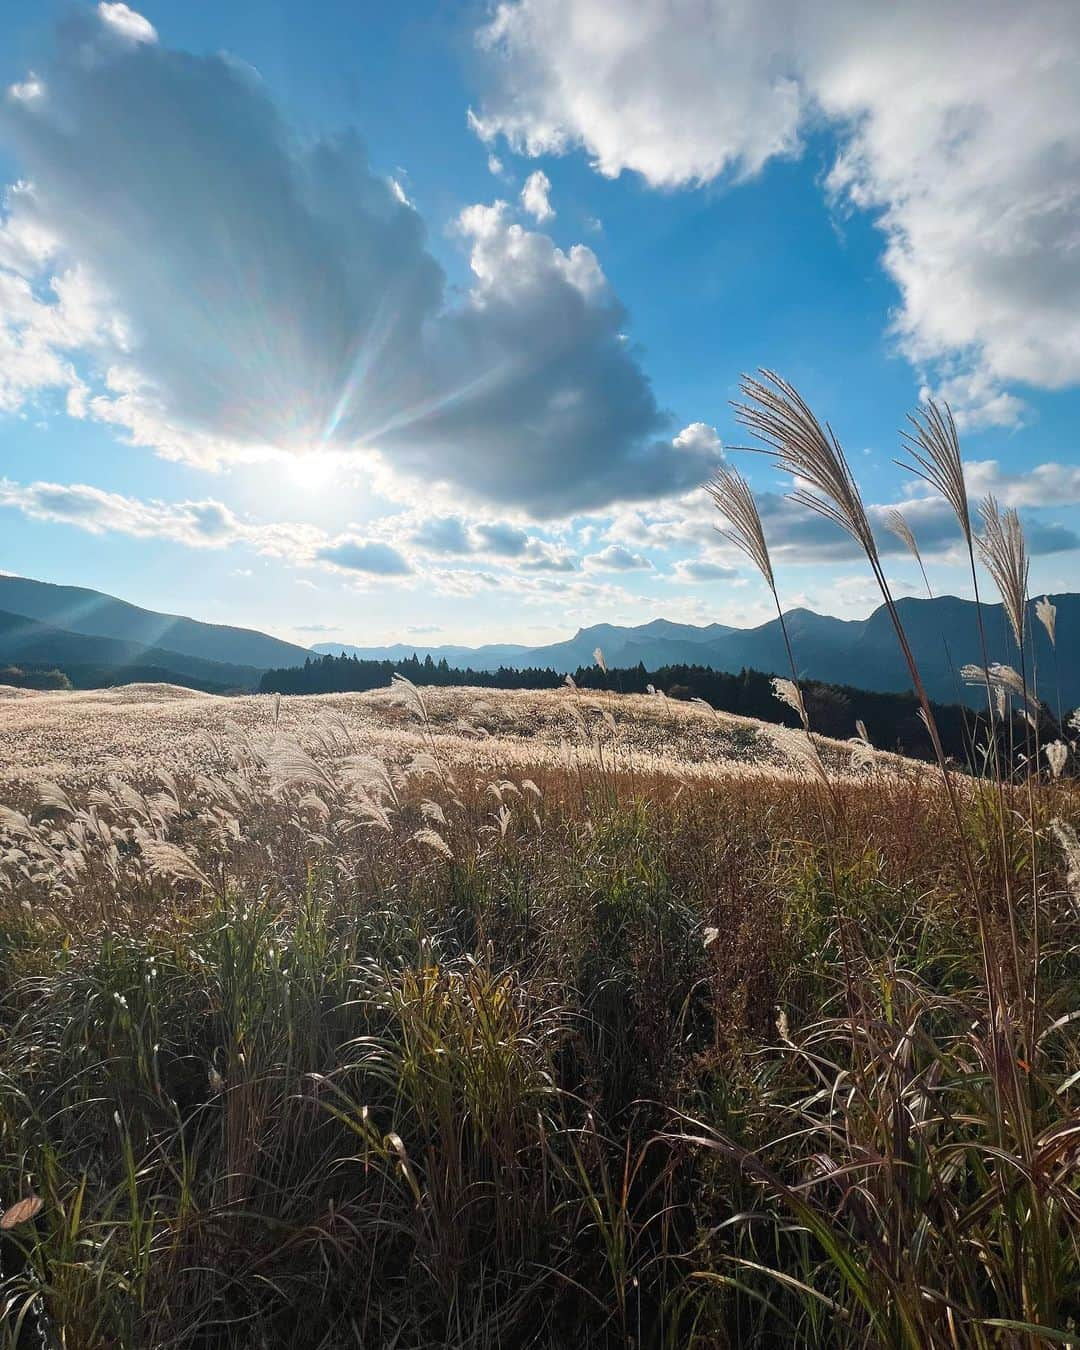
<point x="891" y="719"/>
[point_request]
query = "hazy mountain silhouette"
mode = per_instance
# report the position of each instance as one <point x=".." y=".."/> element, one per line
<point x="77" y="610"/>
<point x="91" y="661"/>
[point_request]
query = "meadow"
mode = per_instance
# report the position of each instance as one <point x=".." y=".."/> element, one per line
<point x="468" y="1018"/>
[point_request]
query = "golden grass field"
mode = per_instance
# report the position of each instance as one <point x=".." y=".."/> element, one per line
<point x="81" y="738"/>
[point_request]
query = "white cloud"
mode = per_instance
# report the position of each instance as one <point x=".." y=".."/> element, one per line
<point x="797" y="536"/>
<point x="975" y="398"/>
<point x="700" y="439"/>
<point x="205" y="524"/>
<point x="127" y="22"/>
<point x="702" y="569"/>
<point x="502" y="539"/>
<point x="959" y="127"/>
<point x="26" y="90"/>
<point x="498" y="541"/>
<point x="617" y="558"/>
<point x="1042" y="485"/>
<point x="195" y="524"/>
<point x="364" y="555"/>
<point x="535" y="197"/>
<point x="544" y="557"/>
<point x="442" y="534"/>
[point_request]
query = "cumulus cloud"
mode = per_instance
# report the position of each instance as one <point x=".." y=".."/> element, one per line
<point x="535" y="197"/>
<point x="702" y="569"/>
<point x="217" y="288"/>
<point x="1047" y="484"/>
<point x="617" y="558"/>
<point x="364" y="555"/>
<point x="958" y="126"/>
<point x="127" y="22"/>
<point x="700" y="439"/>
<point x="205" y="524"/>
<point x="798" y="536"/>
<point x="497" y="540"/>
<point x="543" y="557"/>
<point x="505" y="541"/>
<point x="443" y="534"/>
<point x="199" y="524"/>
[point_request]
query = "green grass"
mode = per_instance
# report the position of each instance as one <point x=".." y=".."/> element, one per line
<point x="364" y="1095"/>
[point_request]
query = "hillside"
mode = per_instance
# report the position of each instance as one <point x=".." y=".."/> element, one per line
<point x="83" y="736"/>
<point x="92" y="661"/>
<point x="75" y="609"/>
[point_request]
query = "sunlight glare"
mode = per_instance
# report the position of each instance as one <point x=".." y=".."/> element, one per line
<point x="311" y="470"/>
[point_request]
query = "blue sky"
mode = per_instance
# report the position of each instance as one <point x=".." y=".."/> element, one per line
<point x="423" y="322"/>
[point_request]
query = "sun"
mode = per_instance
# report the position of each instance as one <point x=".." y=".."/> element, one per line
<point x="311" y="470"/>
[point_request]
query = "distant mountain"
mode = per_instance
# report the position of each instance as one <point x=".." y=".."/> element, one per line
<point x="621" y="647"/>
<point x="92" y="613"/>
<point x="90" y="662"/>
<point x="943" y="634"/>
<point x="489" y="657"/>
<point x="98" y="639"/>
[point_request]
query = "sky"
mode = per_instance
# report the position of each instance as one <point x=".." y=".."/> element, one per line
<point x="372" y="323"/>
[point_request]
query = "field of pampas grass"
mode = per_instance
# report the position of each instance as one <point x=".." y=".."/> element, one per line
<point x="433" y="1018"/>
<point x="86" y="737"/>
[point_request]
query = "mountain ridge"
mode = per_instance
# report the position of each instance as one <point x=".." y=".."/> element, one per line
<point x="91" y="660"/>
<point x="75" y="626"/>
<point x="90" y="613"/>
<point x="943" y="633"/>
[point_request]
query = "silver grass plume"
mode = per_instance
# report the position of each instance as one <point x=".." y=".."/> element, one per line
<point x="1046" y="613"/>
<point x="896" y="523"/>
<point x="53" y="798"/>
<point x="935" y="449"/>
<point x="1004" y="554"/>
<point x="169" y="860"/>
<point x="999" y="676"/>
<point x="787" y="691"/>
<point x="732" y="497"/>
<point x="433" y="840"/>
<point x="404" y="692"/>
<point x="778" y="415"/>
<point x="1057" y="753"/>
<point x="1069" y="843"/>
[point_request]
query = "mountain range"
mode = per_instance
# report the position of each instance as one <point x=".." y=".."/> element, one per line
<point x="98" y="639"/>
<point x="943" y="633"/>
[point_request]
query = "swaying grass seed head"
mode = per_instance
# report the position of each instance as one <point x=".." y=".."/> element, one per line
<point x="935" y="449"/>
<point x="778" y="415"/>
<point x="1046" y="613"/>
<point x="1057" y="753"/>
<point x="1004" y="554"/>
<point x="732" y="497"/>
